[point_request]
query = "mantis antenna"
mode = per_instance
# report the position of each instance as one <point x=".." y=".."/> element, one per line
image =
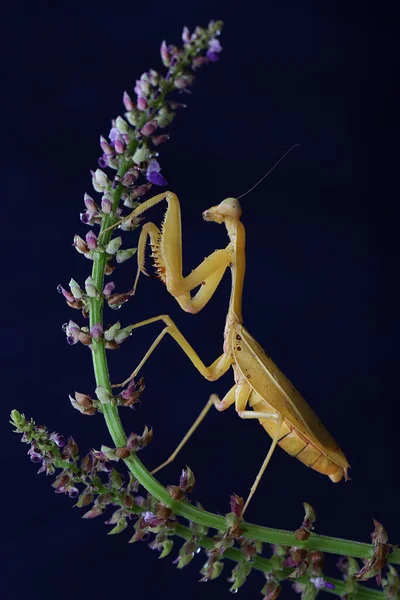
<point x="270" y="171"/>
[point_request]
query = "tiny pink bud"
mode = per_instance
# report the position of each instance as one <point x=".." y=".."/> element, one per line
<point x="149" y="128"/>
<point x="186" y="37"/>
<point x="67" y="295"/>
<point x="141" y="103"/>
<point x="165" y="55"/>
<point x="96" y="331"/>
<point x="90" y="203"/>
<point x="72" y="331"/>
<point x="199" y="61"/>
<point x="184" y="81"/>
<point x="130" y="177"/>
<point x="91" y="240"/>
<point x="119" y="146"/>
<point x="139" y="191"/>
<point x="109" y="288"/>
<point x="160" y="139"/>
<point x="106" y="146"/>
<point x="129" y="105"/>
<point x="106" y="205"/>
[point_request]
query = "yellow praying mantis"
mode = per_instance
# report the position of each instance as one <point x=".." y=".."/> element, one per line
<point x="259" y="383"/>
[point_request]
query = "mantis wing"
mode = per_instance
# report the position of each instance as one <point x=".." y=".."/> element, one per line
<point x="263" y="375"/>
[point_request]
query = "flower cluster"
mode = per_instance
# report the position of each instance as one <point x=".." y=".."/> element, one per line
<point x="131" y="146"/>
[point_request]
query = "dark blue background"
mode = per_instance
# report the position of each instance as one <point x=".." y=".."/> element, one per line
<point x="321" y="286"/>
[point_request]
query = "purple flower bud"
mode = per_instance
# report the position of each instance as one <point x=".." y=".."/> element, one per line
<point x="58" y="439"/>
<point x="160" y="139"/>
<point x="165" y="55"/>
<point x="72" y="331"/>
<point x="152" y="166"/>
<point x="138" y="192"/>
<point x="109" y="288"/>
<point x="67" y="295"/>
<point x="214" y="45"/>
<point x="90" y="203"/>
<point x="96" y="331"/>
<point x="102" y="161"/>
<point x="105" y="146"/>
<point x="184" y="81"/>
<point x="175" y="105"/>
<point x="320" y="583"/>
<point x="91" y="240"/>
<point x="186" y="37"/>
<point x="212" y="56"/>
<point x="106" y="205"/>
<point x="119" y="147"/>
<point x="199" y="61"/>
<point x="149" y="128"/>
<point x="129" y="105"/>
<point x="130" y="177"/>
<point x="187" y="480"/>
<point x="141" y="103"/>
<point x="47" y="467"/>
<point x="85" y="217"/>
<point x="70" y="450"/>
<point x="73" y="492"/>
<point x="151" y="519"/>
<point x="236" y="504"/>
<point x="35" y="457"/>
<point x="156" y="178"/>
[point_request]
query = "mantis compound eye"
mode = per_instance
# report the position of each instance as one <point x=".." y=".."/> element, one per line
<point x="230" y="207"/>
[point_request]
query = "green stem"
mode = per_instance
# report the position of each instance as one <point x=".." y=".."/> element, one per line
<point x="263" y="564"/>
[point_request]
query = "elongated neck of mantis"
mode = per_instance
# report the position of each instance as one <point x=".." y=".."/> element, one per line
<point x="237" y="236"/>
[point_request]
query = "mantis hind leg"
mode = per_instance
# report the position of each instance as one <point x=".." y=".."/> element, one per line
<point x="247" y="414"/>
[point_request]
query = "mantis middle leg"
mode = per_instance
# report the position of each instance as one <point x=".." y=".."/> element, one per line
<point x="213" y="372"/>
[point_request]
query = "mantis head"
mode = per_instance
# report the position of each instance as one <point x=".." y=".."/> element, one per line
<point x="228" y="209"/>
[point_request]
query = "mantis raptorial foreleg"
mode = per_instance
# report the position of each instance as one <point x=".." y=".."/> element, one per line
<point x="167" y="252"/>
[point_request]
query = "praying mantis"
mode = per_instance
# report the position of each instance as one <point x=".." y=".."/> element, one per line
<point x="259" y="383"/>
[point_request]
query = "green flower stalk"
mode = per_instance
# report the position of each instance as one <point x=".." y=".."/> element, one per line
<point x="128" y="168"/>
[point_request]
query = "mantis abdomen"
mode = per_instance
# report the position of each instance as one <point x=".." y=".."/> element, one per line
<point x="294" y="442"/>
